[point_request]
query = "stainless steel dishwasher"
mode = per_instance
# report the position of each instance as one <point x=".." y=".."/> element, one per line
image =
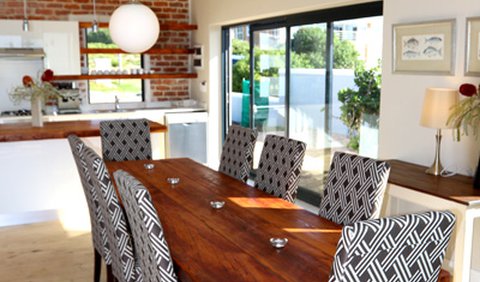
<point x="187" y="135"/>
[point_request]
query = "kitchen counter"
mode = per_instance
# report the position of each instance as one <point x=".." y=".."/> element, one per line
<point x="53" y="190"/>
<point x="155" y="114"/>
<point x="53" y="130"/>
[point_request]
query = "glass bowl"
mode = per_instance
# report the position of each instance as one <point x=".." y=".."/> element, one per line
<point x="173" y="180"/>
<point x="278" y="243"/>
<point x="217" y="204"/>
<point x="149" y="166"/>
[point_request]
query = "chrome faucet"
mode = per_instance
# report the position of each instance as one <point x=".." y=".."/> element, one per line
<point x="117" y="104"/>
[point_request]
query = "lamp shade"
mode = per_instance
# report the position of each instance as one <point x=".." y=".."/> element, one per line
<point x="437" y="106"/>
<point x="134" y="27"/>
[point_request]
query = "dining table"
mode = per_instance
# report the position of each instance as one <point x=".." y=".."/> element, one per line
<point x="232" y="243"/>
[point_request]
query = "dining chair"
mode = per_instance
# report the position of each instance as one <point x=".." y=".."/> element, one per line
<point x="354" y="189"/>
<point x="99" y="237"/>
<point x="126" y="140"/>
<point x="237" y="152"/>
<point x="150" y="243"/>
<point x="403" y="248"/>
<point x="280" y="166"/>
<point x="124" y="264"/>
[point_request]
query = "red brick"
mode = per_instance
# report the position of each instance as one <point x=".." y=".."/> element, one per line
<point x="43" y="12"/>
<point x="168" y="11"/>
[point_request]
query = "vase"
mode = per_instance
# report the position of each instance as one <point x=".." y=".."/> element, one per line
<point x="476" y="177"/>
<point x="37" y="119"/>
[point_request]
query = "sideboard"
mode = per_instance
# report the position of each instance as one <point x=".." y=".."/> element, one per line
<point x="408" y="183"/>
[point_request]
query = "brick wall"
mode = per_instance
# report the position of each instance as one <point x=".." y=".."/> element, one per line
<point x="168" y="11"/>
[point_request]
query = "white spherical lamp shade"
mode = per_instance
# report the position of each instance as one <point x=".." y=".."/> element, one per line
<point x="134" y="27"/>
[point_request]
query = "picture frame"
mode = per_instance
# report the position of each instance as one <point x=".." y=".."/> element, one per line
<point x="472" y="48"/>
<point x="424" y="47"/>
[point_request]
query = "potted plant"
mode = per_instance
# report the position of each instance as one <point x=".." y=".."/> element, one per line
<point x="361" y="105"/>
<point x="37" y="92"/>
<point x="466" y="116"/>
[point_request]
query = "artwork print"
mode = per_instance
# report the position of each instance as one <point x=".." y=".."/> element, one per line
<point x="423" y="47"/>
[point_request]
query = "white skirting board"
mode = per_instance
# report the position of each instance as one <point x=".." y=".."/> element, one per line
<point x="28" y="217"/>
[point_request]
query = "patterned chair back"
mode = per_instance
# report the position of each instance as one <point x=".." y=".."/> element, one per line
<point x="354" y="189"/>
<point x="99" y="234"/>
<point x="150" y="244"/>
<point x="404" y="248"/>
<point x="237" y="152"/>
<point x="280" y="166"/>
<point x="124" y="265"/>
<point x="126" y="140"/>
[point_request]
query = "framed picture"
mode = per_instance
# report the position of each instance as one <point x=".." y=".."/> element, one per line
<point x="424" y="48"/>
<point x="472" y="63"/>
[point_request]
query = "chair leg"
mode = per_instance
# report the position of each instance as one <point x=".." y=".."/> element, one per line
<point x="97" y="266"/>
<point x="110" y="277"/>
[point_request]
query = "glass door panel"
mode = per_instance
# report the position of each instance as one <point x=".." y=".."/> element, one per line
<point x="269" y="114"/>
<point x="239" y="95"/>
<point x="310" y="117"/>
<point x="356" y="83"/>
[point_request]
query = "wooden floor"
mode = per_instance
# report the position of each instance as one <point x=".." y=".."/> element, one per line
<point x="45" y="252"/>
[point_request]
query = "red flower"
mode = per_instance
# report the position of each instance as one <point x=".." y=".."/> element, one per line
<point x="27" y="81"/>
<point x="468" y="89"/>
<point x="47" y="75"/>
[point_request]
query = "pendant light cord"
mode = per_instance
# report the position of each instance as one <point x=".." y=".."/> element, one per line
<point x="95" y="23"/>
<point x="25" y="9"/>
<point x="94" y="10"/>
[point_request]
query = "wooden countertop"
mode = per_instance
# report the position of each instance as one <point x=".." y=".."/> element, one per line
<point x="457" y="188"/>
<point x="54" y="130"/>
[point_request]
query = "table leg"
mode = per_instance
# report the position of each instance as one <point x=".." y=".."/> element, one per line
<point x="463" y="247"/>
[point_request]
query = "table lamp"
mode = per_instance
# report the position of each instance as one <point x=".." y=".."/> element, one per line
<point x="437" y="106"/>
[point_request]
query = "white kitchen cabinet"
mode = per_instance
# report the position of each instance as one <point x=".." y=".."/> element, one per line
<point x="59" y="40"/>
<point x="187" y="135"/>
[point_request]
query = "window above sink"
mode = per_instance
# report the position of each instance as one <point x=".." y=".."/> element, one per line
<point x="106" y="90"/>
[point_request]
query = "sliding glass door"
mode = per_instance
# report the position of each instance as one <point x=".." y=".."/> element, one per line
<point x="292" y="76"/>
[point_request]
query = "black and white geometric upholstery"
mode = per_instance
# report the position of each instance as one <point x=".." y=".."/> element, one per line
<point x="280" y="166"/>
<point x="404" y="248"/>
<point x="237" y="152"/>
<point x="124" y="264"/>
<point x="150" y="244"/>
<point x="99" y="235"/>
<point x="354" y="189"/>
<point x="126" y="140"/>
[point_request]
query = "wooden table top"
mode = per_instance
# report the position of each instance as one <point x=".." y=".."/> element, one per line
<point x="232" y="244"/>
<point x="59" y="129"/>
<point x="457" y="188"/>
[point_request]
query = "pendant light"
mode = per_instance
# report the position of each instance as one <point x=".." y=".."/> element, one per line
<point x="134" y="27"/>
<point x="25" y="26"/>
<point x="95" y="22"/>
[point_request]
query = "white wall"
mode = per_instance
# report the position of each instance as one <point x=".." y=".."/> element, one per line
<point x="211" y="15"/>
<point x="401" y="136"/>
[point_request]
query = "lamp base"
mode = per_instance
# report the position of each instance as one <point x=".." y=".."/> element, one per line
<point x="436" y="168"/>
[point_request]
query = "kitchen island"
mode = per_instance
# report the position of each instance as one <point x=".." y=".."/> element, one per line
<point x="39" y="179"/>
